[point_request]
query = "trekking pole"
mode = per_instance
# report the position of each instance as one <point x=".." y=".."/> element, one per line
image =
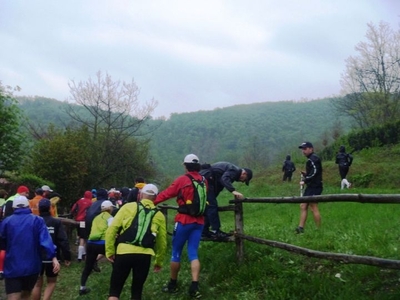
<point x="301" y="185"/>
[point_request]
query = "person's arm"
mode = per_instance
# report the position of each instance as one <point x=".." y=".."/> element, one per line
<point x="170" y="192"/>
<point x="228" y="178"/>
<point x="313" y="170"/>
<point x="159" y="227"/>
<point x="350" y="159"/>
<point x="112" y="230"/>
<point x="62" y="241"/>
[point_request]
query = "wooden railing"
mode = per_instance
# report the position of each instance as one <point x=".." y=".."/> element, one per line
<point x="239" y="235"/>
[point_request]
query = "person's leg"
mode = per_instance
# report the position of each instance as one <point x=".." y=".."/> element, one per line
<point x="120" y="272"/>
<point x="2" y="258"/>
<point x="89" y="263"/>
<point x="37" y="289"/>
<point x="315" y="211"/>
<point x="289" y="176"/>
<point x="140" y="271"/>
<point x="27" y="284"/>
<point x="51" y="285"/>
<point x="192" y="249"/>
<point x="14" y="296"/>
<point x="303" y="214"/>
<point x="212" y="210"/>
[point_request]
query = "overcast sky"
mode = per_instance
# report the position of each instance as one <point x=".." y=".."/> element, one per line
<point x="187" y="55"/>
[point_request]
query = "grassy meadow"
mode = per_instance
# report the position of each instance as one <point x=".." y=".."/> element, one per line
<point x="268" y="273"/>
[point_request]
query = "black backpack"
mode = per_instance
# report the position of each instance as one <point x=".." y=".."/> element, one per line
<point x="197" y="205"/>
<point x="139" y="232"/>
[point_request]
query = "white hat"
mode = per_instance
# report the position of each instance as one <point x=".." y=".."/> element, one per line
<point x="46" y="188"/>
<point x="107" y="204"/>
<point x="191" y="159"/>
<point x="150" y="189"/>
<point x="20" y="201"/>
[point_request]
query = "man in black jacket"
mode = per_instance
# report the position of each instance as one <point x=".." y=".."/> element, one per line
<point x="344" y="161"/>
<point x="221" y="175"/>
<point x="312" y="177"/>
<point x="288" y="168"/>
<point x="60" y="240"/>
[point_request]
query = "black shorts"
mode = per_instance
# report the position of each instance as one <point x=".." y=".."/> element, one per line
<point x="48" y="269"/>
<point x="82" y="231"/>
<point x="313" y="191"/>
<point x="19" y="284"/>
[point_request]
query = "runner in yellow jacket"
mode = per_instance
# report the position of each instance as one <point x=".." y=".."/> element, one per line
<point x="128" y="257"/>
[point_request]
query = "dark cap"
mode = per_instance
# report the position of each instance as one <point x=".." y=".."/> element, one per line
<point x="44" y="204"/>
<point x="39" y="191"/>
<point x="306" y="145"/>
<point x="249" y="175"/>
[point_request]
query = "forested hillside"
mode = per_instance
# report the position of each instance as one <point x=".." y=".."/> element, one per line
<point x="254" y="135"/>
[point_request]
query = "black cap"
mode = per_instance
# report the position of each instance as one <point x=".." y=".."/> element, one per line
<point x="249" y="175"/>
<point x="306" y="145"/>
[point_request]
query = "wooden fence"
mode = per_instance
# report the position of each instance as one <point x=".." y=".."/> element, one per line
<point x="239" y="235"/>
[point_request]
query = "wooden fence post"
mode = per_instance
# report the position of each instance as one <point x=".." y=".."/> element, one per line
<point x="239" y="230"/>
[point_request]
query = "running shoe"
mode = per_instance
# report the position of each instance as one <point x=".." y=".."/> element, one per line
<point x="170" y="288"/>
<point x="195" y="294"/>
<point x="84" y="291"/>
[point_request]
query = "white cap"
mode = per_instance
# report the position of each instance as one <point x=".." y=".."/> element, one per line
<point x="107" y="204"/>
<point x="191" y="159"/>
<point x="20" y="201"/>
<point x="149" y="189"/>
<point x="46" y="188"/>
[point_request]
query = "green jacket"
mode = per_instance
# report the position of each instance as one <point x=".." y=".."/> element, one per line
<point x="123" y="220"/>
<point x="99" y="226"/>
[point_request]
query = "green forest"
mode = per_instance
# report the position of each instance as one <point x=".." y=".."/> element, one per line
<point x="255" y="135"/>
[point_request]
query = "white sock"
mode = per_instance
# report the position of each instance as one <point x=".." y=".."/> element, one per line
<point x="81" y="249"/>
<point x="342" y="184"/>
<point x="346" y="182"/>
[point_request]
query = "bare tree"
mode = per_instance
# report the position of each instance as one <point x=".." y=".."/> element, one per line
<point x="113" y="106"/>
<point x="371" y="82"/>
<point x="112" y="112"/>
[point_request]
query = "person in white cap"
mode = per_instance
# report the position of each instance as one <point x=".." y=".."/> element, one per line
<point x="188" y="226"/>
<point x="24" y="236"/>
<point x="96" y="242"/>
<point x="132" y="254"/>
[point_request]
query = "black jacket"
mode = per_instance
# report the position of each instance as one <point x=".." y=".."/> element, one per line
<point x="57" y="234"/>
<point x="313" y="176"/>
<point x="221" y="175"/>
<point x="344" y="159"/>
<point x="288" y="165"/>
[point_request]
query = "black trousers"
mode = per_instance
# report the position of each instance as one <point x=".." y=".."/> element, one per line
<point x="123" y="264"/>
<point x="343" y="170"/>
<point x="92" y="250"/>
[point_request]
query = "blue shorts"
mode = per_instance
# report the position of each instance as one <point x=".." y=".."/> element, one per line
<point x="182" y="233"/>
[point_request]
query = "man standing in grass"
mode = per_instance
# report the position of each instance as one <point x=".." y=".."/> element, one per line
<point x="312" y="177"/>
<point x="344" y="161"/>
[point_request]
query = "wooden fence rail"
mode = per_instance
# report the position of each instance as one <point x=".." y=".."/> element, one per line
<point x="344" y="258"/>
<point x="239" y="236"/>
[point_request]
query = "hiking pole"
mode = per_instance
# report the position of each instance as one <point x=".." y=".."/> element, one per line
<point x="301" y="185"/>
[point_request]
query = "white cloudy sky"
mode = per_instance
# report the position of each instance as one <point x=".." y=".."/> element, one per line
<point x="188" y="55"/>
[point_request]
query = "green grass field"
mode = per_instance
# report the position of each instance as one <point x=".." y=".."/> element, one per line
<point x="269" y="273"/>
